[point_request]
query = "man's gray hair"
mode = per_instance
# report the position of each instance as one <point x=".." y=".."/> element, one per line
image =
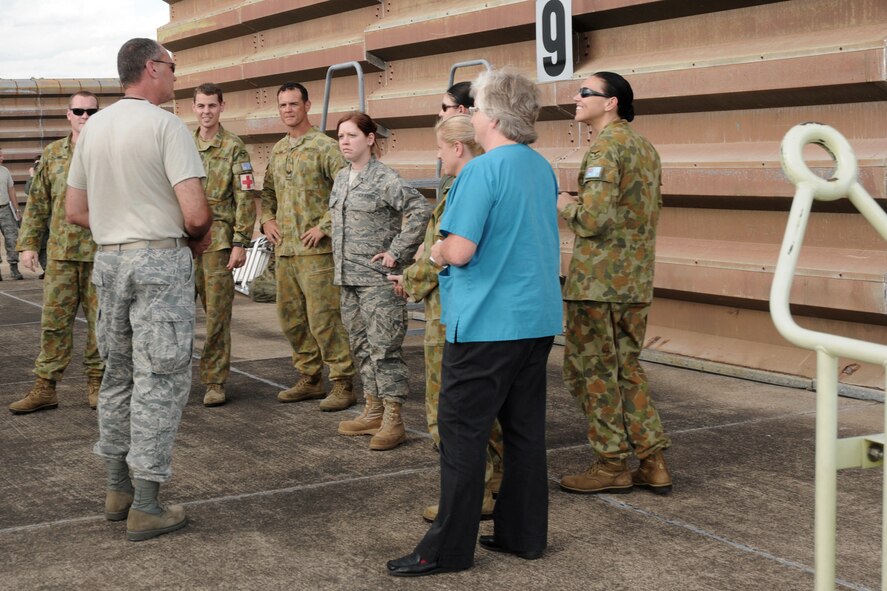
<point x="512" y="100"/>
<point x="132" y="57"/>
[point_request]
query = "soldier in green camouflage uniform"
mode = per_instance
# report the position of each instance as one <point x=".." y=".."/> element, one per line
<point x="378" y="221"/>
<point x="228" y="184"/>
<point x="609" y="290"/>
<point x="295" y="217"/>
<point x="67" y="284"/>
<point x="8" y="224"/>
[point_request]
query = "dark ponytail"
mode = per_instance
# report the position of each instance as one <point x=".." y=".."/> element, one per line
<point x="460" y="92"/>
<point x="616" y="85"/>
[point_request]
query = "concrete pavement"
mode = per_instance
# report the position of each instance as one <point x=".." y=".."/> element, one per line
<point x="277" y="500"/>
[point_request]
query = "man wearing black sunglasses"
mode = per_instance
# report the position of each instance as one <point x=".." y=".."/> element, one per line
<point x="67" y="285"/>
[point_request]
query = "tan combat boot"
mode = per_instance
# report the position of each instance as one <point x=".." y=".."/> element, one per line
<point x="391" y="433"/>
<point x="653" y="474"/>
<point x="486" y="510"/>
<point x="93" y="385"/>
<point x="117" y="504"/>
<point x="144" y="526"/>
<point x="215" y="395"/>
<point x="119" y="493"/>
<point x="341" y="396"/>
<point x="368" y="422"/>
<point x="148" y="518"/>
<point x="495" y="482"/>
<point x="604" y="476"/>
<point x="307" y="388"/>
<point x="41" y="397"/>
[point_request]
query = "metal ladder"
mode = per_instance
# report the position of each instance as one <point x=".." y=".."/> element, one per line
<point x="832" y="454"/>
<point x="257" y="257"/>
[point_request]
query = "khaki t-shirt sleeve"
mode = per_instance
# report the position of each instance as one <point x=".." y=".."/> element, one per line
<point x="76" y="172"/>
<point x="181" y="160"/>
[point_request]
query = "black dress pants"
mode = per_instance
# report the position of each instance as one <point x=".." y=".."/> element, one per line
<point x="479" y="382"/>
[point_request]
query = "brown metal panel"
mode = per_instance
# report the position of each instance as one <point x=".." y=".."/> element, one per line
<point x="247" y="18"/>
<point x="186" y="9"/>
<point x="782" y="29"/>
<point x="748" y="338"/>
<point x="301" y="51"/>
<point x="717" y="84"/>
<point x="601" y="14"/>
<point x="824" y="230"/>
<point x="454" y="26"/>
<point x="745" y="270"/>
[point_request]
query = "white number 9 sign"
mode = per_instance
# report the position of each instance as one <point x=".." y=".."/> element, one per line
<point x="554" y="40"/>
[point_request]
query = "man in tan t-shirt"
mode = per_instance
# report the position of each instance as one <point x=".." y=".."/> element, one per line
<point x="140" y="193"/>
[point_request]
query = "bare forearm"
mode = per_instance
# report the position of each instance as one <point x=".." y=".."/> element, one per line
<point x="195" y="211"/>
<point x="76" y="207"/>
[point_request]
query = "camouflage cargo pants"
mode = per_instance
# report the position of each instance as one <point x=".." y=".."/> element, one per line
<point x="376" y="319"/>
<point x="215" y="286"/>
<point x="146" y="337"/>
<point x="67" y="286"/>
<point x="9" y="228"/>
<point x="435" y="336"/>
<point x="308" y="310"/>
<point x="603" y="372"/>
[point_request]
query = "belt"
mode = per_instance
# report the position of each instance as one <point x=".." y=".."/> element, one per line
<point x="165" y="243"/>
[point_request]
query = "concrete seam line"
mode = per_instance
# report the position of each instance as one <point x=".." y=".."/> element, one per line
<point x="609" y="500"/>
<point x="40" y="306"/>
<point x="261" y="493"/>
<point x="423" y="434"/>
<point x="307" y="486"/>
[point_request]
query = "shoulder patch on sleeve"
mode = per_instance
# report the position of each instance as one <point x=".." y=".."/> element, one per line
<point x="594" y="172"/>
<point x="246" y="182"/>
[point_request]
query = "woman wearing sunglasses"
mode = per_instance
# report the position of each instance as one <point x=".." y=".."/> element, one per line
<point x="608" y="293"/>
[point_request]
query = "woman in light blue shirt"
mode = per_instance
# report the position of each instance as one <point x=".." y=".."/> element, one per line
<point x="501" y="303"/>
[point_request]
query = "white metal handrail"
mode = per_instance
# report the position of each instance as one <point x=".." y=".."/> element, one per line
<point x="832" y="454"/>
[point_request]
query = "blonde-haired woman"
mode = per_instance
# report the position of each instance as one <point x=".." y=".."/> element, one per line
<point x="456" y="147"/>
<point x="501" y="304"/>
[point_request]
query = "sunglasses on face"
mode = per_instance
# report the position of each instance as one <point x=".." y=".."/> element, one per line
<point x="172" y="65"/>
<point x="587" y="92"/>
<point x="80" y="112"/>
<point x="445" y="107"/>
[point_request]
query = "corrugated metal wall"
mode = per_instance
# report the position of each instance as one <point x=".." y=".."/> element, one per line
<point x="718" y="83"/>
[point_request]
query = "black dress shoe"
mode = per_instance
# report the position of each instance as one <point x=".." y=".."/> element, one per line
<point x="490" y="543"/>
<point x="413" y="565"/>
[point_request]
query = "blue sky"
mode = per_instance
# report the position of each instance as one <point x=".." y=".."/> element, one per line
<point x="72" y="38"/>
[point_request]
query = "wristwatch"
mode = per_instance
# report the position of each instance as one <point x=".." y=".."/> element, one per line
<point x="240" y="244"/>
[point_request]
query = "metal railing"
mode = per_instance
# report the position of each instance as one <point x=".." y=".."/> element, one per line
<point x="381" y="130"/>
<point x="832" y="454"/>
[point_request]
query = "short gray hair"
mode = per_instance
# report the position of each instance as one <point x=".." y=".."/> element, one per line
<point x="512" y="100"/>
<point x="132" y="57"/>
